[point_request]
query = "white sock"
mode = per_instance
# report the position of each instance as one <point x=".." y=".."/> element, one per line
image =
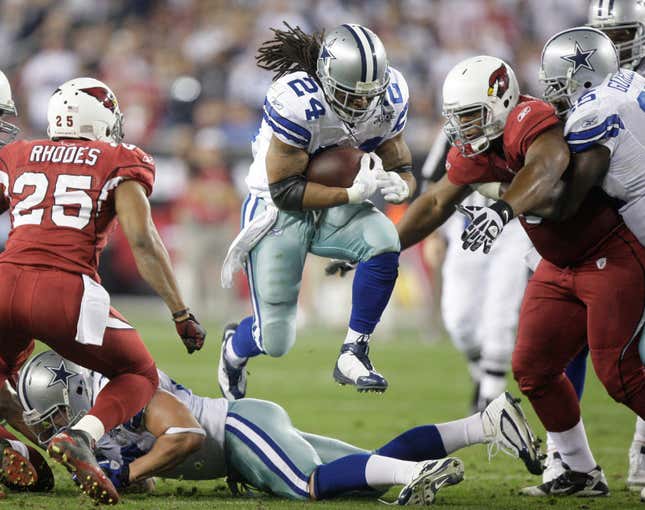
<point x="232" y="357"/>
<point x="459" y="433"/>
<point x="385" y="471"/>
<point x="20" y="447"/>
<point x="550" y="445"/>
<point x="639" y="431"/>
<point x="491" y="386"/>
<point x="354" y="336"/>
<point x="574" y="448"/>
<point x="92" y="425"/>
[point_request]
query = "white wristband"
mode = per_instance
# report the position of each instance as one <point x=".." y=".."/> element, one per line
<point x="353" y="195"/>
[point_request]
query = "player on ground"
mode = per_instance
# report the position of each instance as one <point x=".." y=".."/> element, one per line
<point x="589" y="285"/>
<point x="63" y="195"/>
<point x="254" y="442"/>
<point x="336" y="91"/>
<point x="603" y="106"/>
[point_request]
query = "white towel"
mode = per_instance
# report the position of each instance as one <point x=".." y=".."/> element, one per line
<point x="95" y="310"/>
<point x="250" y="235"/>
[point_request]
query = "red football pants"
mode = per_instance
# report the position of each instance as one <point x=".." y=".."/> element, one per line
<point x="45" y="304"/>
<point x="601" y="303"/>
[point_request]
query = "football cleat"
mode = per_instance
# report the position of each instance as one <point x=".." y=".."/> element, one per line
<point x="72" y="448"/>
<point x="506" y="429"/>
<point x="232" y="380"/>
<point x="636" y="473"/>
<point x="15" y="470"/>
<point x="430" y="476"/>
<point x="553" y="466"/>
<point x="355" y="368"/>
<point x="572" y="483"/>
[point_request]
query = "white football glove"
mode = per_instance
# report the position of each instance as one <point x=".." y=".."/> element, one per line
<point x="365" y="181"/>
<point x="393" y="187"/>
<point x="486" y="224"/>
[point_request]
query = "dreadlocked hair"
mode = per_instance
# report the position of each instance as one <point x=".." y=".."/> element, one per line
<point x="290" y="50"/>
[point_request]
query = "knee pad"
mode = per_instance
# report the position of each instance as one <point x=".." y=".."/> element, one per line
<point x="278" y="337"/>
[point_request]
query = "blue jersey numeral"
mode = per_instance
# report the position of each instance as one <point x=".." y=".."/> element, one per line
<point x="317" y="109"/>
<point x="302" y="86"/>
<point x="641" y="100"/>
<point x="394" y="92"/>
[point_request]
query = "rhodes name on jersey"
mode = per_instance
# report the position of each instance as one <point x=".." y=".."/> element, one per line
<point x="297" y="113"/>
<point x="613" y="115"/>
<point x="131" y="440"/>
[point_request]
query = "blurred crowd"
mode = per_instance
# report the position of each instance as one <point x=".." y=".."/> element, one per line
<point x="185" y="76"/>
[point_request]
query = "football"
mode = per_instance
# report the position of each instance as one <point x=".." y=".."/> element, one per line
<point x="336" y="166"/>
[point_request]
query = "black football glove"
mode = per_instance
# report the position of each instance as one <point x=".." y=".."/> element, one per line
<point x="342" y="267"/>
<point x="191" y="333"/>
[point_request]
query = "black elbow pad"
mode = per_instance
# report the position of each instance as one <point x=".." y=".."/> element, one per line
<point x="288" y="193"/>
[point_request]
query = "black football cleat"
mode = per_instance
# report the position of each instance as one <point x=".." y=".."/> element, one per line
<point x="72" y="448"/>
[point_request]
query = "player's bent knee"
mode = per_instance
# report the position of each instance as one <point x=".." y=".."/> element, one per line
<point x="278" y="338"/>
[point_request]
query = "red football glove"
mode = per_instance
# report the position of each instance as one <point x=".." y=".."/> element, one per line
<point x="191" y="333"/>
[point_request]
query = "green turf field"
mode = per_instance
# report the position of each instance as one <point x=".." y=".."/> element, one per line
<point x="427" y="385"/>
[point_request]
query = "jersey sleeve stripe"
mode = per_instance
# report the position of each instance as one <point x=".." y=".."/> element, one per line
<point x="295" y="129"/>
<point x="286" y="134"/>
<point x="610" y="125"/>
<point x="401" y="120"/>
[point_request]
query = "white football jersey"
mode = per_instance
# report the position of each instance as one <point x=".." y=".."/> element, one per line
<point x="132" y="440"/>
<point x="297" y="113"/>
<point x="613" y="115"/>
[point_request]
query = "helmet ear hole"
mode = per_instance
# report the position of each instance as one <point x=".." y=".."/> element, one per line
<point x="587" y="84"/>
<point x="506" y="103"/>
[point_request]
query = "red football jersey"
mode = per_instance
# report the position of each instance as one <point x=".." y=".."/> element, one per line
<point x="60" y="196"/>
<point x="562" y="243"/>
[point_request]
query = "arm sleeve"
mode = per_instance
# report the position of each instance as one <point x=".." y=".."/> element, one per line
<point x="593" y="123"/>
<point x="134" y="164"/>
<point x="286" y="117"/>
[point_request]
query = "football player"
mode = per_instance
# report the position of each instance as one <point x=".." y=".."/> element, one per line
<point x="603" y="105"/>
<point x="589" y="286"/>
<point x="184" y="436"/>
<point x="333" y="91"/>
<point x="63" y="195"/>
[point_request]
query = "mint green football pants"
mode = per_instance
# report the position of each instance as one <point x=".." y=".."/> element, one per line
<point x="274" y="269"/>
<point x="267" y="452"/>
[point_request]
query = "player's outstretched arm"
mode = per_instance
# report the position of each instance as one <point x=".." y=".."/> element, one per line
<point x="153" y="262"/>
<point x="536" y="183"/>
<point x="178" y="435"/>
<point x="289" y="188"/>
<point x="428" y="211"/>
<point x="396" y="157"/>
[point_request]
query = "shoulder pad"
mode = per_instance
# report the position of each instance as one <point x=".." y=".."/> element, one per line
<point x="397" y="96"/>
<point x="525" y="122"/>
<point x="594" y="120"/>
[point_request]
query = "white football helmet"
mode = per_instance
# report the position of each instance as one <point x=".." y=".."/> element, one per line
<point x="8" y="131"/>
<point x="84" y="108"/>
<point x="478" y="95"/>
<point x="624" y="22"/>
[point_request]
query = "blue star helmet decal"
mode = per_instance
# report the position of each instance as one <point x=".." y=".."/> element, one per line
<point x="326" y="54"/>
<point x="60" y="375"/>
<point x="580" y="59"/>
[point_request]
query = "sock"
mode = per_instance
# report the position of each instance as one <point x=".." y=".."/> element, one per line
<point x="574" y="448"/>
<point x="491" y="385"/>
<point x="459" y="433"/>
<point x="371" y="290"/>
<point x="576" y="371"/>
<point x="243" y="343"/>
<point x="360" y="471"/>
<point x="386" y="471"/>
<point x="550" y="445"/>
<point x="420" y="443"/>
<point x="354" y="336"/>
<point x="92" y="425"/>
<point x="639" y="433"/>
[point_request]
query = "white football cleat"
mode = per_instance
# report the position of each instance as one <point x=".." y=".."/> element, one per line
<point x="355" y="368"/>
<point x="506" y="429"/>
<point x="429" y="477"/>
<point x="553" y="466"/>
<point x="231" y="379"/>
<point x="636" y="473"/>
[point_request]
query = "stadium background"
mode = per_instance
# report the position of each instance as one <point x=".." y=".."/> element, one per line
<point x="185" y="77"/>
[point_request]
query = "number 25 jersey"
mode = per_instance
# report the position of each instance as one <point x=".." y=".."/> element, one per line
<point x="296" y="112"/>
<point x="60" y="195"/>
